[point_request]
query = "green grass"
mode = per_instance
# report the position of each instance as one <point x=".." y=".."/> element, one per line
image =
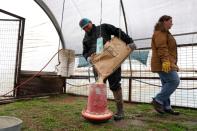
<point x="63" y="113"/>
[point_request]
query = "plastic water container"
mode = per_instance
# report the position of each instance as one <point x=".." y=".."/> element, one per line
<point x="99" y="45"/>
<point x="8" y="123"/>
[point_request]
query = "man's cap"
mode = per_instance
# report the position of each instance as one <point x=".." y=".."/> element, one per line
<point x="84" y="22"/>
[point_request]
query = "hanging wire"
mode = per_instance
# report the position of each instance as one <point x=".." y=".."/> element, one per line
<point x="62" y="19"/>
<point x="119" y="19"/>
<point x="124" y="16"/>
<point x="101" y="15"/>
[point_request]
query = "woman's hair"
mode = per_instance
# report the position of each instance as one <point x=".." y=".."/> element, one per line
<point x="164" y="18"/>
<point x="159" y="25"/>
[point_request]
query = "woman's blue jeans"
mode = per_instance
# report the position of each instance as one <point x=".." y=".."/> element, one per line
<point x="170" y="81"/>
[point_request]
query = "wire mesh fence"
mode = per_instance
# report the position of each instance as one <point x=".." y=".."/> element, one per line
<point x="140" y="84"/>
<point x="8" y="49"/>
<point x="11" y="38"/>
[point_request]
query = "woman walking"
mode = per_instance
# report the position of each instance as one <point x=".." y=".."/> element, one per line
<point x="164" y="62"/>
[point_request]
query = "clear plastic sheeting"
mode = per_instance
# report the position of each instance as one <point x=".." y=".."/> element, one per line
<point x="40" y="40"/>
<point x="141" y="17"/>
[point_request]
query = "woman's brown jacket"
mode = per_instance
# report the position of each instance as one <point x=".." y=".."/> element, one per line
<point x="164" y="48"/>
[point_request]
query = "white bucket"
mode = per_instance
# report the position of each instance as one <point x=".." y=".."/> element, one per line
<point x="67" y="63"/>
<point x="8" y="123"/>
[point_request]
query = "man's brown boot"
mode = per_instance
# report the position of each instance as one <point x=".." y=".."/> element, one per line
<point x="119" y="104"/>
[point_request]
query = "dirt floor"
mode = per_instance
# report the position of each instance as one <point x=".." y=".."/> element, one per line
<point x="63" y="113"/>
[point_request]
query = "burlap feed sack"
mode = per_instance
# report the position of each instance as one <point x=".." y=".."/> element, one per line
<point x="67" y="62"/>
<point x="114" y="53"/>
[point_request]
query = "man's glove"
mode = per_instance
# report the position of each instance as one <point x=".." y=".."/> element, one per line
<point x="89" y="60"/>
<point x="166" y="66"/>
<point x="132" y="46"/>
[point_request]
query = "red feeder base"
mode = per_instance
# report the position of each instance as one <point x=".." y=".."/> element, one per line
<point x="96" y="117"/>
<point x="96" y="110"/>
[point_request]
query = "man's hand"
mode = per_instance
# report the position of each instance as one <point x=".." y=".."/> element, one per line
<point x="132" y="46"/>
<point x="166" y="66"/>
<point x="89" y="60"/>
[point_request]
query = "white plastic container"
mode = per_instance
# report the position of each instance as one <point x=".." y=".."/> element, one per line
<point x="8" y="123"/>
